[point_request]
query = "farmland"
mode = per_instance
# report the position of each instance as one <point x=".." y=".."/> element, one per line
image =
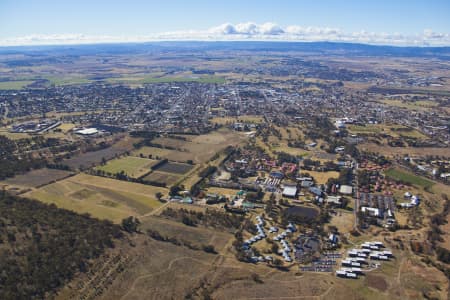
<point x="132" y="166"/>
<point x="14" y="85"/>
<point x="103" y="198"/>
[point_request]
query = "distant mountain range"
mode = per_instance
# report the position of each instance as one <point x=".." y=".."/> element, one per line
<point x="320" y="48"/>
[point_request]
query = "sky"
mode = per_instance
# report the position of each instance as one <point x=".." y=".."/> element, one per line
<point x="396" y="22"/>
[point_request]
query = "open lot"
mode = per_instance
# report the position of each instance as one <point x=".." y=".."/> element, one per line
<point x="103" y="198"/>
<point x="36" y="178"/>
<point x="132" y="166"/>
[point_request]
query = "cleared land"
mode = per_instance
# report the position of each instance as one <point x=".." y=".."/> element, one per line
<point x="103" y="198"/>
<point x="163" y="178"/>
<point x="407" y="177"/>
<point x="36" y="178"/>
<point x="177" y="168"/>
<point x="131" y="165"/>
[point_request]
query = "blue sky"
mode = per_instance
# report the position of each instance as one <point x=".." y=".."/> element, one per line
<point x="149" y="18"/>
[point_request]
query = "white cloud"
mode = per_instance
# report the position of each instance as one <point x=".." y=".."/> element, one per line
<point x="246" y="31"/>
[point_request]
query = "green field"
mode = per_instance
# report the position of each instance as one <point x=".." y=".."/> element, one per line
<point x="409" y="178"/>
<point x="14" y="85"/>
<point x="131" y="165"/>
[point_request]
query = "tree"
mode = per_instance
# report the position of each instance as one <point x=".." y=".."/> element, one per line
<point x="158" y="196"/>
<point x="277" y="262"/>
<point x="275" y="248"/>
<point x="174" y="190"/>
<point x="209" y="249"/>
<point x="131" y="224"/>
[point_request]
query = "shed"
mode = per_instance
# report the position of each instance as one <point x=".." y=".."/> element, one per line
<point x="346" y="189"/>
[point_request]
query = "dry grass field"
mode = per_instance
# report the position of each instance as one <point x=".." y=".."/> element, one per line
<point x="392" y="130"/>
<point x="103" y="198"/>
<point x="198" y="148"/>
<point x="198" y="236"/>
<point x="411" y="151"/>
<point x="416" y="105"/>
<point x="322" y="177"/>
<point x="90" y="159"/>
<point x="36" y="178"/>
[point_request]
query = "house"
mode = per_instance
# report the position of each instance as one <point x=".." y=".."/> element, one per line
<point x="290" y="191"/>
<point x="335" y="200"/>
<point x="276" y="174"/>
<point x="371" y="211"/>
<point x="316" y="191"/>
<point x="306" y="183"/>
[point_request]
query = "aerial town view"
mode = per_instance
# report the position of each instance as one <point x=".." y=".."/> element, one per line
<point x="249" y="160"/>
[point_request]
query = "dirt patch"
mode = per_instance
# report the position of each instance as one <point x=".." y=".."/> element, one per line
<point x="376" y="282"/>
<point x="176" y="168"/>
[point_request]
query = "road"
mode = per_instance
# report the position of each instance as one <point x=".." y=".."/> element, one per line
<point x="356" y="195"/>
